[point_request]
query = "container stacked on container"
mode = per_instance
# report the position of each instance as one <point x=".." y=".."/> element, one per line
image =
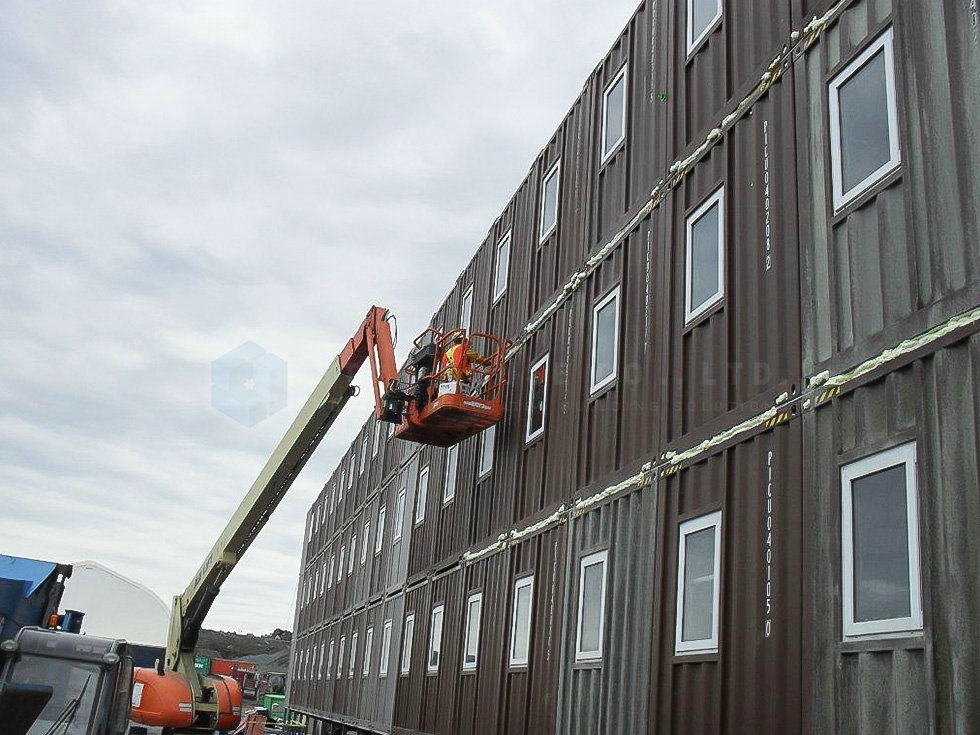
<point x="750" y="359"/>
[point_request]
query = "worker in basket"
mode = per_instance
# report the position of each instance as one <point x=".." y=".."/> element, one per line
<point x="457" y="363"/>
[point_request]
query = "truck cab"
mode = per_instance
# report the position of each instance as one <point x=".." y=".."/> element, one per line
<point x="90" y="680"/>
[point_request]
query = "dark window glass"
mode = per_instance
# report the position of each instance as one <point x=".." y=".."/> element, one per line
<point x="864" y="134"/>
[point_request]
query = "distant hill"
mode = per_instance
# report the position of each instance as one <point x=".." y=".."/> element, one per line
<point x="270" y="652"/>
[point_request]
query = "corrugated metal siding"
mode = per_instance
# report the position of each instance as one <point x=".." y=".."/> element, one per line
<point x="929" y="687"/>
<point x="609" y="696"/>
<point x="904" y="257"/>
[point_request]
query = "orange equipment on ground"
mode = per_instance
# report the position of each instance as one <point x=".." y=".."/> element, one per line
<point x="165" y="700"/>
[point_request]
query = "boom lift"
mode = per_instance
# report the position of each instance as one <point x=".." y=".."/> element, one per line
<point x="434" y="404"/>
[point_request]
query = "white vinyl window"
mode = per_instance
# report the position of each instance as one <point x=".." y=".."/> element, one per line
<point x="591" y="607"/>
<point x="537" y="398"/>
<point x="520" y="627"/>
<point x="435" y="639"/>
<point x="319" y="668"/>
<point x="340" y="564"/>
<point x="379" y="540"/>
<point x="333" y="559"/>
<point x="353" y="655"/>
<point x="698" y="585"/>
<point x="487" y="438"/>
<point x="549" y="202"/>
<point x="605" y="341"/>
<point x="365" y="542"/>
<point x="501" y="267"/>
<point x="471" y="637"/>
<point x="613" y="115"/>
<point x="422" y="495"/>
<point x="407" y="640"/>
<point x="330" y="659"/>
<point x="880" y="546"/>
<point x="377" y="438"/>
<point x="466" y="309"/>
<point x="353" y="553"/>
<point x="864" y="136"/>
<point x="702" y="17"/>
<point x="449" y="488"/>
<point x="353" y="467"/>
<point x="368" y="644"/>
<point x="323" y="577"/>
<point x="340" y="656"/>
<point x="399" y="520"/>
<point x="385" y="650"/>
<point x="364" y="446"/>
<point x="704" y="269"/>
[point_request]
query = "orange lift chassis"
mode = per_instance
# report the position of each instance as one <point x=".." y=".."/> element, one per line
<point x="451" y="388"/>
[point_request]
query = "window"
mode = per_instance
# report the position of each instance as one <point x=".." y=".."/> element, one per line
<point x="333" y="558"/>
<point x="435" y="638"/>
<point x="880" y="549"/>
<point x="407" y="644"/>
<point x="380" y="538"/>
<point x="705" y="256"/>
<point x="702" y="15"/>
<point x="449" y="489"/>
<point x="471" y="638"/>
<point x="591" y="607"/>
<point x="316" y="583"/>
<point x="422" y="494"/>
<point x="399" y="520"/>
<point x="377" y="438"/>
<point x="520" y="633"/>
<point x="330" y="659"/>
<point x="501" y="267"/>
<point x="350" y="557"/>
<point x="385" y="650"/>
<point x="340" y="565"/>
<point x="343" y="482"/>
<point x="864" y="139"/>
<point x="613" y="115"/>
<point x="537" y="398"/>
<point x="319" y="668"/>
<point x="466" y="309"/>
<point x="353" y="655"/>
<point x="549" y="202"/>
<point x="486" y="450"/>
<point x="340" y="656"/>
<point x="605" y="341"/>
<point x="364" y="445"/>
<point x="323" y="577"/>
<point x="368" y="643"/>
<point x="353" y="467"/>
<point x="367" y="539"/>
<point x="698" y="585"/>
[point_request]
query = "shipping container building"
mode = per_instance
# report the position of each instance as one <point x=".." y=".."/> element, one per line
<point x="736" y="485"/>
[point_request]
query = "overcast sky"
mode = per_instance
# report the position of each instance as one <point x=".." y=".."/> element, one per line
<point x="177" y="178"/>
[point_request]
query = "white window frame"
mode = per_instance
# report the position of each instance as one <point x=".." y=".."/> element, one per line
<point x="504" y="242"/>
<point x="705" y="645"/>
<point x="379" y="540"/>
<point x="595" y="386"/>
<point x="692" y="42"/>
<point x="623" y="75"/>
<point x="477" y="599"/>
<point x="422" y="495"/>
<point x="398" y="525"/>
<point x="333" y="560"/>
<point x="363" y="460"/>
<point x="353" y="553"/>
<point x="352" y="663"/>
<point x="368" y="645"/>
<point x="529" y="437"/>
<point x="340" y="563"/>
<point x="340" y="657"/>
<point x="377" y="437"/>
<point x="440" y="611"/>
<point x="449" y="483"/>
<point x="367" y="542"/>
<point x="330" y="659"/>
<point x="717" y="198"/>
<point x="466" y="309"/>
<point x="599" y="557"/>
<point x="385" y="649"/>
<point x="319" y="668"/>
<point x="323" y="577"/>
<point x="885" y="43"/>
<point x="351" y="473"/>
<point x="903" y="454"/>
<point x="408" y="635"/>
<point x="515" y="662"/>
<point x="484" y="468"/>
<point x="555" y="170"/>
